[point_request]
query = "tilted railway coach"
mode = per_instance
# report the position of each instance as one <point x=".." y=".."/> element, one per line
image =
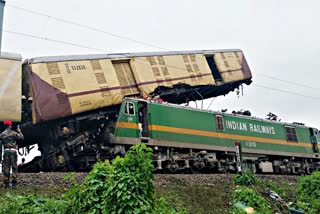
<point x="188" y="138"/>
<point x="63" y="103"/>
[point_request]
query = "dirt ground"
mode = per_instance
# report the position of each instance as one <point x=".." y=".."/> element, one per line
<point x="56" y="179"/>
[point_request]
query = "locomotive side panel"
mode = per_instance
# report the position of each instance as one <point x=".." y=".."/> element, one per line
<point x="198" y="140"/>
<point x="189" y="128"/>
<point x="267" y="137"/>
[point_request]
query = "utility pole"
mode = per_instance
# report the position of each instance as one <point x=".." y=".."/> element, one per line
<point x="2" y="3"/>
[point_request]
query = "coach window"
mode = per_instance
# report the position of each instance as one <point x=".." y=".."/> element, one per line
<point x="291" y="134"/>
<point x="129" y="108"/>
<point x="219" y="121"/>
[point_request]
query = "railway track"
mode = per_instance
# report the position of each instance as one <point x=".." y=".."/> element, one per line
<point x="56" y="179"/>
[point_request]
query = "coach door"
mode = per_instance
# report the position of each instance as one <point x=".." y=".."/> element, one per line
<point x="314" y="138"/>
<point x="143" y="120"/>
<point x="126" y="78"/>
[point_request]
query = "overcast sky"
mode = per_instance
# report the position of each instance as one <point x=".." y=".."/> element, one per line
<point x="280" y="39"/>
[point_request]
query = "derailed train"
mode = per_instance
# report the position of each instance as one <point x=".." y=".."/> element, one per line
<point x="73" y="108"/>
<point x="68" y="105"/>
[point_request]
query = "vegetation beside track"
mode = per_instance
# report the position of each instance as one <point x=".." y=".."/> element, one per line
<point x="106" y="188"/>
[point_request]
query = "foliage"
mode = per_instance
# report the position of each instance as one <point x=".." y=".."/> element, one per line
<point x="88" y="197"/>
<point x="250" y="198"/>
<point x="247" y="178"/>
<point x="195" y="198"/>
<point x="163" y="207"/>
<point x="125" y="186"/>
<point x="308" y="193"/>
<point x="251" y="181"/>
<point x="129" y="184"/>
<point x="274" y="187"/>
<point x="31" y="204"/>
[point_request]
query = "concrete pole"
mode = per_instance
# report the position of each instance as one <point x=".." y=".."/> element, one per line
<point x="2" y="3"/>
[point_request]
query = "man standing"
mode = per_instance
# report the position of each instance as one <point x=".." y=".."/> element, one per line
<point x="8" y="139"/>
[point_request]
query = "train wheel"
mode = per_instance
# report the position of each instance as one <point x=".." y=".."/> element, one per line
<point x="197" y="167"/>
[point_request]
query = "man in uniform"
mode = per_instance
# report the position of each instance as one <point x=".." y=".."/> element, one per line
<point x="8" y="140"/>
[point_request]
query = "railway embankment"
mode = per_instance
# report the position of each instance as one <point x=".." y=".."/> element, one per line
<point x="195" y="193"/>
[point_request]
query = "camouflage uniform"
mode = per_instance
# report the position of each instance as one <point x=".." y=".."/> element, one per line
<point x="8" y="139"/>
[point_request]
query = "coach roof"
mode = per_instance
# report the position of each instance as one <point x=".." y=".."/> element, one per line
<point x="121" y="55"/>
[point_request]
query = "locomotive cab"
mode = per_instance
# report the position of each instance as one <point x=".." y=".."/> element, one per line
<point x="315" y="140"/>
<point x="134" y="115"/>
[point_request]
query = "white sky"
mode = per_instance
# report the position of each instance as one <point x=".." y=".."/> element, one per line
<point x="280" y="38"/>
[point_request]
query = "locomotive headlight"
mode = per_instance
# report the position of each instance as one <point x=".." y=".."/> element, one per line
<point x="61" y="159"/>
<point x="65" y="130"/>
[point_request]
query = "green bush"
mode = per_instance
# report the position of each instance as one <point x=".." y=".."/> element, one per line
<point x="88" y="197"/>
<point x="125" y="186"/>
<point x="31" y="204"/>
<point x="129" y="184"/>
<point x="246" y="179"/>
<point x="308" y="193"/>
<point x="250" y="198"/>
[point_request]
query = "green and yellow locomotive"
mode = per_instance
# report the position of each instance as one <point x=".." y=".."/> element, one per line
<point x="183" y="138"/>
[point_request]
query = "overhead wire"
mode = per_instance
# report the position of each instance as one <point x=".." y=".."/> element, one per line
<point x="288" y="92"/>
<point x="87" y="27"/>
<point x="144" y="43"/>
<point x="287" y="81"/>
<point x="92" y="48"/>
<point x="77" y="45"/>
<point x="95" y="29"/>
<point x="88" y="47"/>
<point x="140" y="42"/>
<point x="52" y="40"/>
